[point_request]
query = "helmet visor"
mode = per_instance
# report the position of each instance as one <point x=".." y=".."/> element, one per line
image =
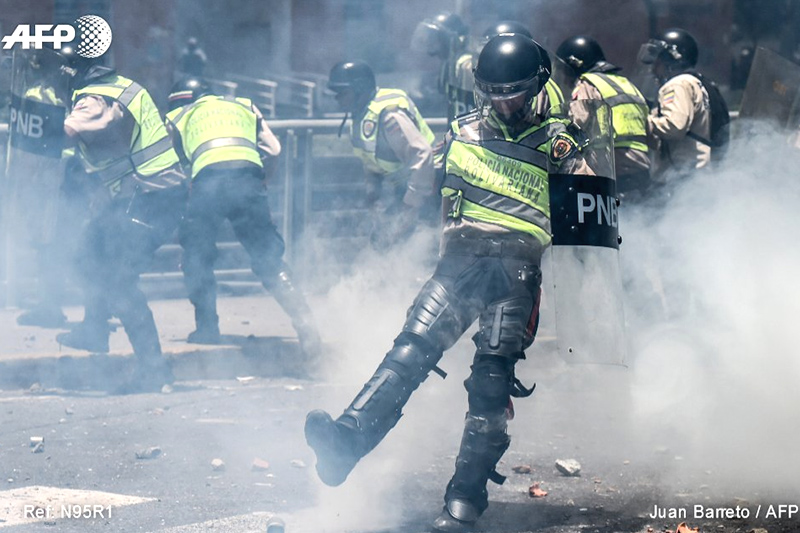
<point x="508" y="105"/>
<point x="649" y="51"/>
<point x="425" y="38"/>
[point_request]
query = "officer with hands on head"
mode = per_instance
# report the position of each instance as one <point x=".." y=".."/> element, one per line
<point x="125" y="149"/>
<point x="497" y="228"/>
<point x="226" y="145"/>
<point x="393" y="141"/>
<point x="593" y="78"/>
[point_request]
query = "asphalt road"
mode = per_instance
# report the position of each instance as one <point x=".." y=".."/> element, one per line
<point x="91" y="441"/>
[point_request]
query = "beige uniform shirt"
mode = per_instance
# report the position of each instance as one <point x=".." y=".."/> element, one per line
<point x="683" y="107"/>
<point x="413" y="151"/>
<point x="106" y="130"/>
<point x="626" y="161"/>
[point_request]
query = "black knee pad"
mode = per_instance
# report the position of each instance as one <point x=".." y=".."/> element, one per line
<point x="490" y="384"/>
<point x="412" y="358"/>
<point x="436" y="316"/>
<point x="503" y="326"/>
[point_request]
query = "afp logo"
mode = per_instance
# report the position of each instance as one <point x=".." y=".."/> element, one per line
<point x="94" y="36"/>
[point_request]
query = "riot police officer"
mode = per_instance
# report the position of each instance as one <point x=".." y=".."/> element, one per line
<point x="593" y="78"/>
<point x="124" y="146"/>
<point x="446" y="37"/>
<point x="393" y="141"/>
<point x="226" y="145"/>
<point x="497" y="229"/>
<point x="551" y="95"/>
<point x="680" y="127"/>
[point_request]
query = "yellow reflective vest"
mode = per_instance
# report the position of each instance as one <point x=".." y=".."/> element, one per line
<point x="151" y="148"/>
<point x="365" y="135"/>
<point x="554" y="93"/>
<point x="495" y="177"/>
<point x="217" y="129"/>
<point x="629" y="109"/>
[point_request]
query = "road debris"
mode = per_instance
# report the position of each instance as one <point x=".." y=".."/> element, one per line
<point x="36" y="441"/>
<point x="297" y="463"/>
<point x="149" y="453"/>
<point x="166" y="389"/>
<point x="244" y="380"/>
<point x="293" y="387"/>
<point x="259" y="465"/>
<point x="522" y="469"/>
<point x="217" y="465"/>
<point x="276" y="525"/>
<point x="568" y="467"/>
<point x="534" y="491"/>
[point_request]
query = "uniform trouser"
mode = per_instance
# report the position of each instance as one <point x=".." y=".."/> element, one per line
<point x="497" y="284"/>
<point x="240" y="196"/>
<point x="118" y="245"/>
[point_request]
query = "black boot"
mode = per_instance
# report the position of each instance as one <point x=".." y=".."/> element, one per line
<point x="483" y="444"/>
<point x="152" y="371"/>
<point x="335" y="447"/>
<point x="205" y="318"/>
<point x="294" y="304"/>
<point x="340" y="444"/>
<point x="90" y="335"/>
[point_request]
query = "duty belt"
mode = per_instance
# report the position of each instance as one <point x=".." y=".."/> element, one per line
<point x="491" y="247"/>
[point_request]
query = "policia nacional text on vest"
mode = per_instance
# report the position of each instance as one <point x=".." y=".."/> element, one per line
<point x="503" y="183"/>
<point x="216" y="129"/>
<point x="151" y="148"/>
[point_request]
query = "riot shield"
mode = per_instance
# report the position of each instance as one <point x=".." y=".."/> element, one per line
<point x="773" y="90"/>
<point x="586" y="286"/>
<point x="34" y="171"/>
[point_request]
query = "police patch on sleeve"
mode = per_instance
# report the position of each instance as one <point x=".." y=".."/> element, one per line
<point x="561" y="148"/>
<point x="368" y="128"/>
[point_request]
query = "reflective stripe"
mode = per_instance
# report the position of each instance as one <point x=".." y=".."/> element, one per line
<point x="222" y="142"/>
<point x="624" y="99"/>
<point x="497" y="202"/>
<point x="554" y="93"/>
<point x="513" y="150"/>
<point x="129" y="94"/>
<point x="125" y="166"/>
<point x="629" y="109"/>
<point x="631" y="138"/>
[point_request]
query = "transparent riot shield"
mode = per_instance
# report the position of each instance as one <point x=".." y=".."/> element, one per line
<point x="585" y="282"/>
<point x="773" y="90"/>
<point x="34" y="171"/>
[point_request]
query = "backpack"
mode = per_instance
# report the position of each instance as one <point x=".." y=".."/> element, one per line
<point x="720" y="118"/>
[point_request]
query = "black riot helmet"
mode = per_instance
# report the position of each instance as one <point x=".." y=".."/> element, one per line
<point x="188" y="90"/>
<point x="511" y="70"/>
<point x="676" y="48"/>
<point x="353" y="84"/>
<point x="440" y="36"/>
<point x="505" y="26"/>
<point x="580" y="53"/>
<point x="355" y="75"/>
